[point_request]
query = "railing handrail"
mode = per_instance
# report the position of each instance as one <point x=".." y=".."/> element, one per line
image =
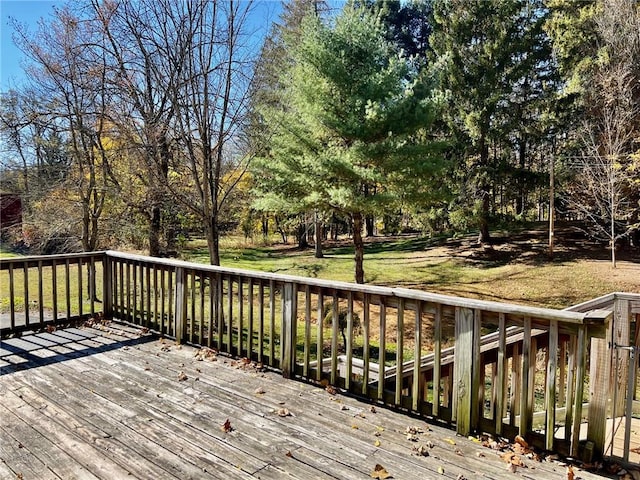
<point x="436" y="298"/>
<point x="5" y="262"/>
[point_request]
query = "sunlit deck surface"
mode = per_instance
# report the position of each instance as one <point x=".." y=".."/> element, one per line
<point x="113" y="402"/>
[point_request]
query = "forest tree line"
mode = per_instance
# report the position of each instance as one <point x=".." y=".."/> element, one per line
<point x="146" y="123"/>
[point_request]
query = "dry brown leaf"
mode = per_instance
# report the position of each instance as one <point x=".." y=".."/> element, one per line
<point x="331" y="390"/>
<point x="283" y="412"/>
<point x="380" y="472"/>
<point x="511" y="467"/>
<point x="372" y="409"/>
<point x="570" y="473"/>
<point x="259" y="391"/>
<point x="411" y="437"/>
<point x="521" y="441"/>
<point x="182" y="377"/>
<point x="461" y="477"/>
<point x="414" y="430"/>
<point x="422" y="450"/>
<point x="289" y="454"/>
<point x="324" y="382"/>
<point x="459" y="452"/>
<point x="226" y="426"/>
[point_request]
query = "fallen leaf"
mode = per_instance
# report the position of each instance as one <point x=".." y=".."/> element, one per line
<point x="450" y="441"/>
<point x="414" y="430"/>
<point x="461" y="477"/>
<point x="411" y="437"/>
<point x="324" y="382"/>
<point x="521" y="441"/>
<point x="377" y="443"/>
<point x="372" y="409"/>
<point x="570" y="473"/>
<point x="226" y="426"/>
<point x="512" y="468"/>
<point x="459" y="452"/>
<point x="422" y="450"/>
<point x="289" y="454"/>
<point x="344" y="407"/>
<point x="441" y="470"/>
<point x="331" y="390"/>
<point x="259" y="391"/>
<point x="283" y="412"/>
<point x="182" y="377"/>
<point x="380" y="472"/>
<point x="355" y="427"/>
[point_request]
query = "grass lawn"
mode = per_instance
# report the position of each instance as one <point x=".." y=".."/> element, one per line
<point x="515" y="268"/>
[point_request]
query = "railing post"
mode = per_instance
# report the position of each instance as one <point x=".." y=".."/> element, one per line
<point x="599" y="380"/>
<point x="465" y="375"/>
<point x="107" y="287"/>
<point x="288" y="330"/>
<point x="180" y="310"/>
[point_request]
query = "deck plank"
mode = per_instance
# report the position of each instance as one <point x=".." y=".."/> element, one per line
<point x="107" y="403"/>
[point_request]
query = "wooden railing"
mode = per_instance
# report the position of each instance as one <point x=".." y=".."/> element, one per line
<point x="482" y="366"/>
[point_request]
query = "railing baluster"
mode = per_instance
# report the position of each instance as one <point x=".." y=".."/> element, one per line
<point x="80" y="290"/>
<point x="417" y="391"/>
<point x="40" y="295"/>
<point x="202" y="315"/>
<point x="260" y="321"/>
<point x="12" y="299"/>
<point x="250" y="333"/>
<point x="54" y="288"/>
<point x="399" y="352"/>
<point x="335" y="324"/>
<point x="220" y="310"/>
<point x="148" y="292"/>
<point x="212" y="310"/>
<point x="307" y="331"/>
<point x="25" y="278"/>
<point x="349" y="342"/>
<point x="382" y="351"/>
<point x="500" y="376"/>
<point x="67" y="290"/>
<point x="320" y="339"/>
<point x="92" y="287"/>
<point x="366" y="319"/>
<point x="437" y="359"/>
<point x="272" y="322"/>
<point x="552" y="365"/>
<point x="525" y="412"/>
<point x="240" y="316"/>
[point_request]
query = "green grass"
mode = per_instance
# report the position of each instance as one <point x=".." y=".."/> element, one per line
<point x="453" y="268"/>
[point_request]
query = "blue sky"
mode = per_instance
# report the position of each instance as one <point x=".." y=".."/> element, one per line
<point x="30" y="11"/>
<point x="24" y="11"/>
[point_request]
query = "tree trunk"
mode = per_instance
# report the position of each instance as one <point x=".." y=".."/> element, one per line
<point x="319" y="234"/>
<point x="369" y="225"/>
<point x="520" y="200"/>
<point x="154" y="232"/>
<point x="213" y="240"/>
<point x="483" y="222"/>
<point x="359" y="246"/>
<point x="301" y="234"/>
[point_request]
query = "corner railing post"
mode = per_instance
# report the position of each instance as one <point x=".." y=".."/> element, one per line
<point x="599" y="380"/>
<point x="466" y="365"/>
<point x="288" y="330"/>
<point x="107" y="287"/>
<point x="180" y="310"/>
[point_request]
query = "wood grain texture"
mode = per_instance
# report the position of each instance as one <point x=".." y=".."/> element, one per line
<point x="109" y="403"/>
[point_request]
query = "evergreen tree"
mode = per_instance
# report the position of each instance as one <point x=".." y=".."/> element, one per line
<point x="352" y="138"/>
<point x="498" y="73"/>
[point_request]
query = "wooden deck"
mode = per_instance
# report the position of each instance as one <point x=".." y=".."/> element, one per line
<point x="110" y="402"/>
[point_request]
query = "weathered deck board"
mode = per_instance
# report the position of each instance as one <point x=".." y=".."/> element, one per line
<point x="87" y="403"/>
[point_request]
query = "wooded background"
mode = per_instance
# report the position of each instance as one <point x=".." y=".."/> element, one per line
<point x="146" y="123"/>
